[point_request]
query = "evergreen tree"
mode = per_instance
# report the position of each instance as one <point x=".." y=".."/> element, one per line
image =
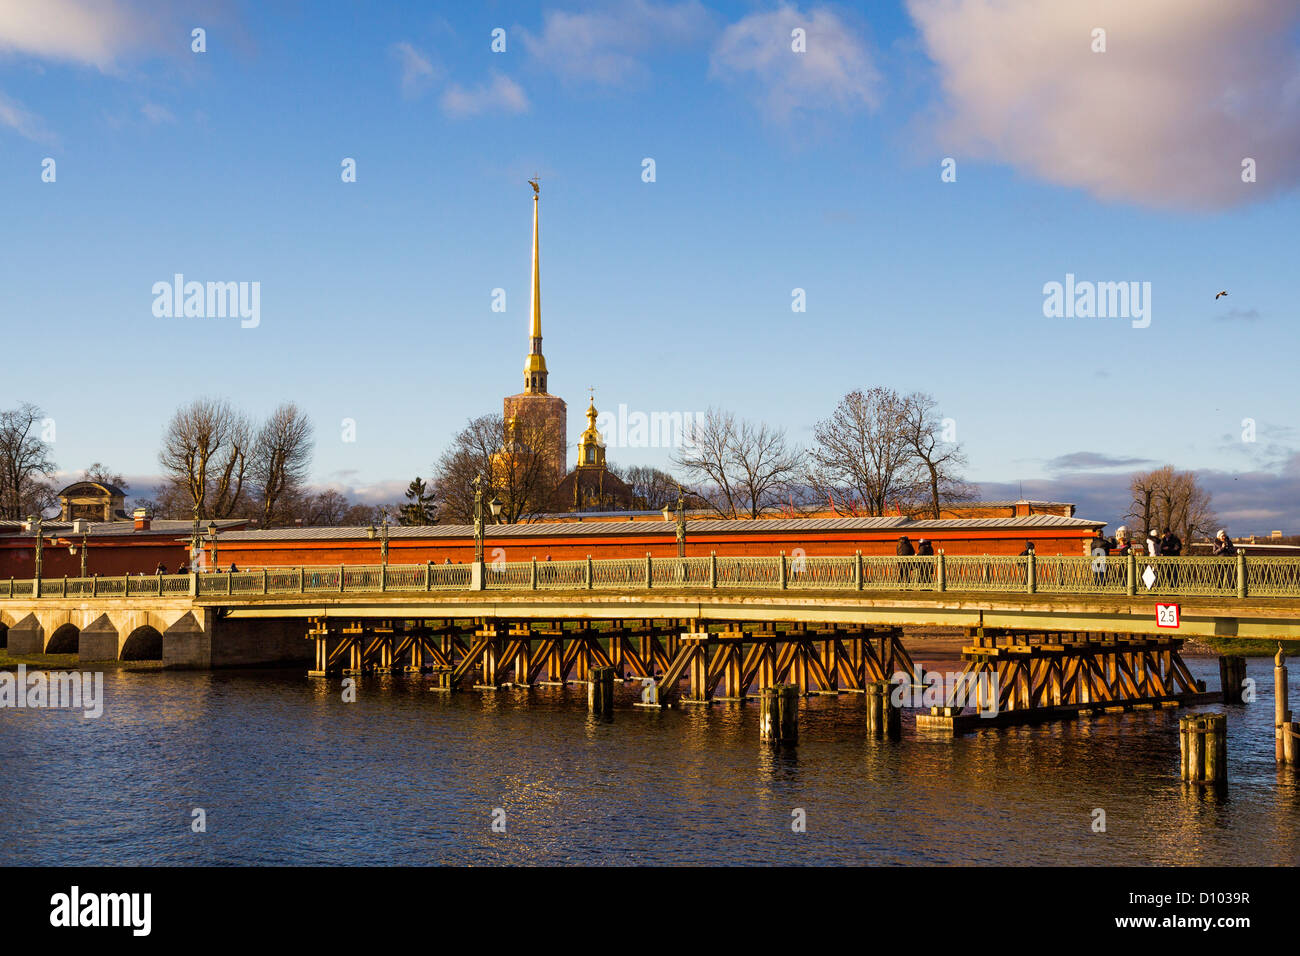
<point x="419" y="508"/>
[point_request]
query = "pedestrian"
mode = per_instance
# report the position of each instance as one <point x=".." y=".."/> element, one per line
<point x="924" y="549"/>
<point x="1224" y="548"/>
<point x="904" y="549"/>
<point x="183" y="568"/>
<point x="233" y="569"/>
<point x="1098" y="548"/>
<point x="161" y="569"/>
<point x="1153" y="543"/>
<point x="1029" y="549"/>
<point x="1122" y="543"/>
<point x="1170" y="545"/>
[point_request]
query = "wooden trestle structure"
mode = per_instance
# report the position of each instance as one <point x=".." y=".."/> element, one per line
<point x="733" y="663"/>
<point x="1054" y="675"/>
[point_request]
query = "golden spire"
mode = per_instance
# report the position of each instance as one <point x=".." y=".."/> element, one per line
<point x="535" y="367"/>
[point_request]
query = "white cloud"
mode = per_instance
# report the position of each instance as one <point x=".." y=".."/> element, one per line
<point x="418" y="71"/>
<point x="1185" y="90"/>
<point x="502" y="94"/>
<point x="88" y="32"/>
<point x="157" y="114"/>
<point x="605" y="46"/>
<point x="25" y="124"/>
<point x="834" y="71"/>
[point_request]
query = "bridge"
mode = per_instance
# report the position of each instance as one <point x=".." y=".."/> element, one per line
<point x="1059" y="632"/>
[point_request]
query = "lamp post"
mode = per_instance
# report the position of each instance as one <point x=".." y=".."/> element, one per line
<point x="37" y="522"/>
<point x="72" y="549"/>
<point x="195" y="550"/>
<point x="212" y="536"/>
<point x="478" y="518"/>
<point x="681" y="521"/>
<point x="372" y="532"/>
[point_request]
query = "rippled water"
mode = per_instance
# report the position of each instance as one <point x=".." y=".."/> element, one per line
<point x="288" y="773"/>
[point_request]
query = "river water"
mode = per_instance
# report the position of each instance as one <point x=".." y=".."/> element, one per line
<point x="287" y="772"/>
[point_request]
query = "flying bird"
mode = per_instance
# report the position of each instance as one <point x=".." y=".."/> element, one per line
<point x="1224" y="292"/>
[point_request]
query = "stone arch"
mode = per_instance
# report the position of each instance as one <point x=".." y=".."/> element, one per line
<point x="66" y="639"/>
<point x="143" y="644"/>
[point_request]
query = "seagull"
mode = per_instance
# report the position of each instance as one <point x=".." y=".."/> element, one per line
<point x="1224" y="292"/>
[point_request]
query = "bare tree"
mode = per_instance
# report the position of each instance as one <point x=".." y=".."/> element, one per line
<point x="324" y="509"/>
<point x="280" y="460"/>
<point x="103" y="475"/>
<point x="741" y="466"/>
<point x="862" y="453"/>
<point x="25" y="463"/>
<point x="651" y="487"/>
<point x="205" y="453"/>
<point x="1170" y="500"/>
<point x="939" y="462"/>
<point x="513" y="459"/>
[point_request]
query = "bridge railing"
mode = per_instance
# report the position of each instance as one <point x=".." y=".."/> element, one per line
<point x="1237" y="576"/>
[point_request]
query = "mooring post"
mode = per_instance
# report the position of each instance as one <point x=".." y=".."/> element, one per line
<point x="1232" y="673"/>
<point x="1281" y="712"/>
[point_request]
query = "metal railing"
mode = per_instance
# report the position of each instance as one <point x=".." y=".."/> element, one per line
<point x="1131" y="575"/>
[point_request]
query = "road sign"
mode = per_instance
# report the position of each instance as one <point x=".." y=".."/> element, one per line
<point x="1166" y="615"/>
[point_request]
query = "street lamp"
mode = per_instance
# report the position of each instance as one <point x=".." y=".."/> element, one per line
<point x="212" y="536"/>
<point x="681" y="521"/>
<point x="195" y="550"/>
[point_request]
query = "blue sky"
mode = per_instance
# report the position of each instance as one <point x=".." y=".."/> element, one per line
<point x="775" y="170"/>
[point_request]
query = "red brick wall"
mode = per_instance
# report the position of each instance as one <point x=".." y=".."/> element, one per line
<point x="272" y="553"/>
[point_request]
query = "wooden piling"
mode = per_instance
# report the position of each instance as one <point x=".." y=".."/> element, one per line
<point x="1232" y="673"/>
<point x="600" y="691"/>
<point x="883" y="718"/>
<point x="769" y="715"/>
<point x="778" y="714"/>
<point x="789" y="697"/>
<point x="1203" y="743"/>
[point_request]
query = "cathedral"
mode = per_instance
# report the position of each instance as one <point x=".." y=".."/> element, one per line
<point x="536" y="417"/>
